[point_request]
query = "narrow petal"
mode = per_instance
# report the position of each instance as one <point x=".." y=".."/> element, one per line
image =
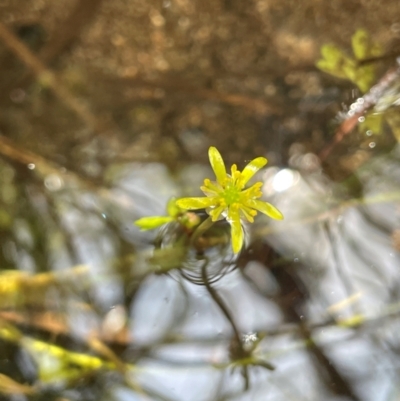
<point x="217" y="164"/>
<point x="266" y="208"/>
<point x="213" y="185"/>
<point x="172" y="209"/>
<point x="195" y="203"/>
<point x="252" y="192"/>
<point x="248" y="213"/>
<point x="233" y="219"/>
<point x="149" y="223"/>
<point x="211" y="188"/>
<point x="251" y="169"/>
<point x="216" y="212"/>
<point x="208" y="192"/>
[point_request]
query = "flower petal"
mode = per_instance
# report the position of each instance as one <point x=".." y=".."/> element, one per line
<point x="233" y="219"/>
<point x="251" y="169"/>
<point x="266" y="208"/>
<point x="195" y="203"/>
<point x="217" y="164"/>
<point x="211" y="188"/>
<point x="149" y="223"/>
<point x="216" y="212"/>
<point x="252" y="192"/>
<point x="172" y="209"/>
<point x="248" y="213"/>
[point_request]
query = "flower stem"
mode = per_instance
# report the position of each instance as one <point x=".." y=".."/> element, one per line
<point x="237" y="341"/>
<point x="200" y="230"/>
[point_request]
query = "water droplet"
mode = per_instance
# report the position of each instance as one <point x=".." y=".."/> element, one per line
<point x="103" y="215"/>
<point x="369" y="133"/>
<point x="361" y="119"/>
<point x="53" y="182"/>
<point x="372" y="145"/>
<point x="249" y="337"/>
<point x="31" y="166"/>
<point x="296" y="260"/>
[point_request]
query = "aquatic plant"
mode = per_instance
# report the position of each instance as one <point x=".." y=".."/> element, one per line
<point x="336" y="62"/>
<point x="361" y="71"/>
<point x="226" y="198"/>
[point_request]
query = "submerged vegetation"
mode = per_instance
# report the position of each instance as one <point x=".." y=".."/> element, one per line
<point x="336" y="62"/>
<point x="106" y="117"/>
<point x="376" y="105"/>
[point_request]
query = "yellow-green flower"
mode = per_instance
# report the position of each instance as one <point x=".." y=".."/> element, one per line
<point x="227" y="197"/>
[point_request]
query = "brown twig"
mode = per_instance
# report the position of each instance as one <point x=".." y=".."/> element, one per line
<point x="70" y="29"/>
<point x="48" y="78"/>
<point x="177" y="86"/>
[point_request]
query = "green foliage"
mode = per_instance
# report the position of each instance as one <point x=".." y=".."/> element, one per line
<point x="372" y="123"/>
<point x="336" y="62"/>
<point x="55" y="364"/>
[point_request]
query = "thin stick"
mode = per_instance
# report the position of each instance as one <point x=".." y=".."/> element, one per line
<point x="47" y="77"/>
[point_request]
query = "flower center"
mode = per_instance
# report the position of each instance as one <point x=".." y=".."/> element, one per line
<point x="231" y="194"/>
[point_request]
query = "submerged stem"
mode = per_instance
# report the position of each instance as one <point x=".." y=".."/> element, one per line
<point x="201" y="229"/>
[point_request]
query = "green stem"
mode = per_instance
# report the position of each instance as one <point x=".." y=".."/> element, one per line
<point x="201" y="229"/>
<point x="236" y="334"/>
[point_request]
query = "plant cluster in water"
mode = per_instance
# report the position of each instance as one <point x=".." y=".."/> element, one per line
<point x="225" y="198"/>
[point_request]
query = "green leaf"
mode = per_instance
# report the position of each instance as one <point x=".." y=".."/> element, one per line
<point x="335" y="61"/>
<point x="372" y="122"/>
<point x="361" y="44"/>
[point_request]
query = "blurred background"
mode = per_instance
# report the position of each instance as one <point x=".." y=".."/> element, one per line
<point x="107" y="110"/>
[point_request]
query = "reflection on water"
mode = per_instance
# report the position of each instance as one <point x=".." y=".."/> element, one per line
<point x="317" y="293"/>
<point x="103" y="124"/>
